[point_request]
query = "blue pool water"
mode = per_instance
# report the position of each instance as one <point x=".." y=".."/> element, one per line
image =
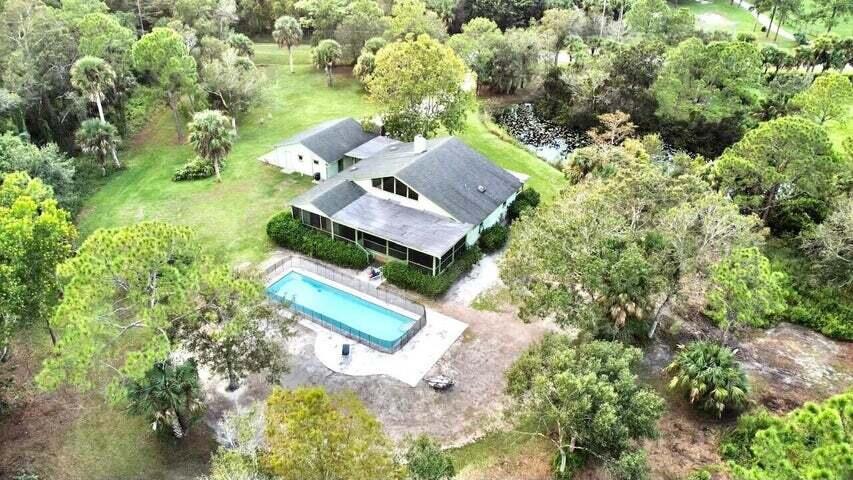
<point x="341" y="309"/>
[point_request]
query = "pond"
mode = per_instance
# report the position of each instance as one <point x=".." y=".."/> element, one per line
<point x="549" y="141"/>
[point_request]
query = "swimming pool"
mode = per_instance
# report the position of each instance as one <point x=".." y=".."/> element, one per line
<point x="344" y="312"/>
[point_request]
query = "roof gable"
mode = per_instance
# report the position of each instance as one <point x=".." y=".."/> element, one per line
<point x="331" y="140"/>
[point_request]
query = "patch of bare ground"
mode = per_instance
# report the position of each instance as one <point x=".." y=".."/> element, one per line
<point x="520" y="466"/>
<point x="72" y="436"/>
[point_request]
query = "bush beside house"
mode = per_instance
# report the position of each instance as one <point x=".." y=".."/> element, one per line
<point x="405" y="276"/>
<point x="288" y="232"/>
<point x="526" y="199"/>
<point x="493" y="238"/>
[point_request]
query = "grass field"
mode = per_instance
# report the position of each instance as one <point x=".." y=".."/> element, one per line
<point x="720" y="15"/>
<point x="844" y="28"/>
<point x="229" y="217"/>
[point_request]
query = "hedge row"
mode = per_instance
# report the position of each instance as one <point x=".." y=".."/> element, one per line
<point x="288" y="232"/>
<point x="404" y="276"/>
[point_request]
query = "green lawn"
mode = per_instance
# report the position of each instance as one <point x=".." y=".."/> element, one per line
<point x="229" y="217"/>
<point x="844" y="28"/>
<point x="735" y="19"/>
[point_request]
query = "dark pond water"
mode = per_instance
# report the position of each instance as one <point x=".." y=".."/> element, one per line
<point x="547" y="140"/>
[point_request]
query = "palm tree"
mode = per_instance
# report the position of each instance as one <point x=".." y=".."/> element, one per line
<point x="92" y="76"/>
<point x="325" y="55"/>
<point x="710" y="376"/>
<point x="287" y="33"/>
<point x="99" y="138"/>
<point x="169" y="395"/>
<point x="212" y="137"/>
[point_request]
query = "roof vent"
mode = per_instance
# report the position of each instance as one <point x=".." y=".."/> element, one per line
<point x="393" y="148"/>
<point x="481" y="189"/>
<point x="420" y="145"/>
<point x="353" y="168"/>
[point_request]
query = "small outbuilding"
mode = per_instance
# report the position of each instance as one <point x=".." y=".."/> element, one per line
<point x="326" y="149"/>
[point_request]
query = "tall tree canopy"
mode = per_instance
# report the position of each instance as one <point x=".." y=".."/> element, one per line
<point x="164" y="56"/>
<point x="120" y="295"/>
<point x="712" y="83"/>
<point x="828" y="98"/>
<point x="584" y="398"/>
<point x="813" y="441"/>
<point x="287" y="33"/>
<point x="307" y="427"/>
<point x="47" y="163"/>
<point x="35" y="236"/>
<point x="419" y="84"/>
<point x="413" y="17"/>
<point x="784" y="170"/>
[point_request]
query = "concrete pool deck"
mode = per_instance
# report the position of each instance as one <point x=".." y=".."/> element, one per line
<point x="408" y="365"/>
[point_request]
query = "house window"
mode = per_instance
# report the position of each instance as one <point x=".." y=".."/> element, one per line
<point x="316" y="162"/>
<point x="396" y="250"/>
<point x="341" y="165"/>
<point x="388" y="184"/>
<point x="413" y="195"/>
<point x="392" y="185"/>
<point x="377" y="244"/>
<point x="300" y="157"/>
<point x="401" y="189"/>
<point x="420" y="258"/>
<point x="376" y="182"/>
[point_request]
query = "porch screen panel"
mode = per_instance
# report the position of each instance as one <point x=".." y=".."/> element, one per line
<point x="396" y="250"/>
<point x="374" y="243"/>
<point x="421" y="259"/>
<point x="345" y="232"/>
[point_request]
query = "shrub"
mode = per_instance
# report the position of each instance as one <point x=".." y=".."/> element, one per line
<point x="493" y="238"/>
<point x="629" y="466"/>
<point x="288" y="232"/>
<point x="736" y="442"/>
<point x="405" y="276"/>
<point x="710" y="376"/>
<point x="196" y="169"/>
<point x="528" y="198"/>
<point x="426" y="461"/>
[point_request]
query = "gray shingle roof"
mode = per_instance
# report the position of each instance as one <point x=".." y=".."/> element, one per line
<point x="331" y="140"/>
<point x="427" y="232"/>
<point x="371" y="148"/>
<point x="449" y="173"/>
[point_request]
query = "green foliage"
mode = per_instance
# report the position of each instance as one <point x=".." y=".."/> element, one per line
<point x="169" y="396"/>
<point x="232" y="81"/>
<point x="493" y="238"/>
<point x="528" y="199"/>
<point x="654" y="18"/>
<point x="585" y="398"/>
<point x="709" y="376"/>
<point x="828" y="98"/>
<point x="631" y="465"/>
<point x="746" y="291"/>
<point x="243" y="44"/>
<point x="195" y="169"/>
<point x="287" y="33"/>
<point x="35" y="236"/>
<point x="711" y="83"/>
<point x="418" y="83"/>
<point x="307" y="427"/>
<point x="476" y="46"/>
<point x="507" y="13"/>
<point x="777" y="165"/>
<point x="212" y="138"/>
<point x="363" y="20"/>
<point x="233" y="331"/>
<point x="92" y="76"/>
<point x="612" y="251"/>
<point x="364" y="67"/>
<point x="120" y="294"/>
<point x="325" y="55"/>
<point x="830" y="246"/>
<point x="426" y="461"/>
<point x="411" y="17"/>
<point x="46" y="163"/>
<point x="140" y="106"/>
<point x="288" y="232"/>
<point x="736" y="443"/>
<point x="813" y="441"/>
<point x="163" y="55"/>
<point x="405" y="276"/>
<point x="100" y="139"/>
